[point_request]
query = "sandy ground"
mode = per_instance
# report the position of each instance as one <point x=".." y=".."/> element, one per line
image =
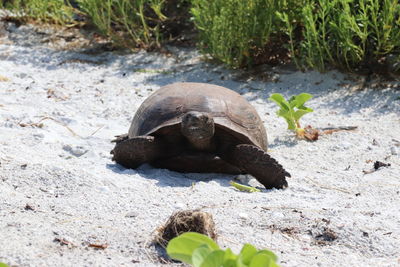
<point x="59" y="109"/>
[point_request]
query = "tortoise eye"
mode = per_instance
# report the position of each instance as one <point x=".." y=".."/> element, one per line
<point x="207" y="119"/>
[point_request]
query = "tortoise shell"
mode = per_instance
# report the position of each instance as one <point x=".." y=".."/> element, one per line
<point x="231" y="112"/>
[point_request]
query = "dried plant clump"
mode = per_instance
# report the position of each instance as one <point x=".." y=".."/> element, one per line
<point x="186" y="221"/>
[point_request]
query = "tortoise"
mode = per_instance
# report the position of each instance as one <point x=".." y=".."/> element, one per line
<point x="199" y="127"/>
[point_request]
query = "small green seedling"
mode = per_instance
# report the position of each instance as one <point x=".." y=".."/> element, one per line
<point x="201" y="251"/>
<point x="244" y="188"/>
<point x="292" y="110"/>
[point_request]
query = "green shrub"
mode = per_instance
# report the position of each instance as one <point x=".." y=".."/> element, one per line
<point x="357" y="35"/>
<point x="201" y="251"/>
<point x="128" y="23"/>
<point x="347" y="33"/>
<point x="233" y="31"/>
<point x="49" y="11"/>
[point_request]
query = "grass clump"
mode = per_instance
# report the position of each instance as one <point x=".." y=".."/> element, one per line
<point x="234" y="31"/>
<point x="356" y="35"/>
<point x="362" y="35"/>
<point x="138" y="23"/>
<point x="49" y="11"/>
<point x="128" y="23"/>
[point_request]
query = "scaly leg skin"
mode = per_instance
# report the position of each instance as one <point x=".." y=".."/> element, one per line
<point x="255" y="161"/>
<point x="131" y="153"/>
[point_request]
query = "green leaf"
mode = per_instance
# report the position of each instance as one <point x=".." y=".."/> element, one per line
<point x="229" y="258"/>
<point x="290" y="122"/>
<point x="300" y="99"/>
<point x="269" y="253"/>
<point x="2" y="264"/>
<point x="292" y="102"/>
<point x="214" y="259"/>
<point x="280" y="100"/>
<point x="247" y="253"/>
<point x="261" y="260"/>
<point x="200" y="254"/>
<point x="300" y="112"/>
<point x="182" y="247"/>
<point x="245" y="188"/>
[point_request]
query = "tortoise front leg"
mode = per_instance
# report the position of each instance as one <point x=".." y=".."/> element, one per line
<point x="255" y="161"/>
<point x="133" y="152"/>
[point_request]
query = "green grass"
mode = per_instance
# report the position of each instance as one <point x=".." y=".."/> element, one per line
<point x="129" y="23"/>
<point x="348" y="34"/>
<point x="356" y="35"/>
<point x="49" y="11"/>
<point x="233" y="31"/>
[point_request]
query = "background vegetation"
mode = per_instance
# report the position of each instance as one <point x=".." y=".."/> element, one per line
<point x="52" y="11"/>
<point x="356" y="35"/>
<point x="128" y="23"/>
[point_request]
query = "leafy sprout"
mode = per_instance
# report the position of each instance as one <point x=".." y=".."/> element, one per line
<point x="292" y="110"/>
<point x="201" y="251"/>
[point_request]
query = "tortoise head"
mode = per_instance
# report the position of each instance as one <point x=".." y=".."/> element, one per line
<point x="197" y="126"/>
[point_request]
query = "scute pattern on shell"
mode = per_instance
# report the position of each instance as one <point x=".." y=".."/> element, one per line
<point x="230" y="111"/>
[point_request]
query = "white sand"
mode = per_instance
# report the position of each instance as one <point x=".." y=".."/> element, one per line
<point x="58" y="180"/>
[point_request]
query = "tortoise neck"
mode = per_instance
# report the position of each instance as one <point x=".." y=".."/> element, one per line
<point x="205" y="144"/>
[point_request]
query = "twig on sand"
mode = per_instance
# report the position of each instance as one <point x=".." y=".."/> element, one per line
<point x="98" y="246"/>
<point x="397" y="142"/>
<point x="312" y="134"/>
<point x="328" y="187"/>
<point x="40" y="125"/>
<point x="71" y="220"/>
<point x="65" y="242"/>
<point x="147" y="242"/>
<point x="4" y="78"/>
<point x="330" y="130"/>
<point x="377" y="166"/>
<point x="98" y="129"/>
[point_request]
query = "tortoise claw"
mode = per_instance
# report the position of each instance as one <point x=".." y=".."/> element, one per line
<point x="120" y="138"/>
<point x="262" y="166"/>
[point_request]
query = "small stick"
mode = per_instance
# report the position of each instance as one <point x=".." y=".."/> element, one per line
<point x="327" y="187"/>
<point x="330" y="130"/>
<point x="98" y="246"/>
<point x="101" y="127"/>
<point x="37" y="124"/>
